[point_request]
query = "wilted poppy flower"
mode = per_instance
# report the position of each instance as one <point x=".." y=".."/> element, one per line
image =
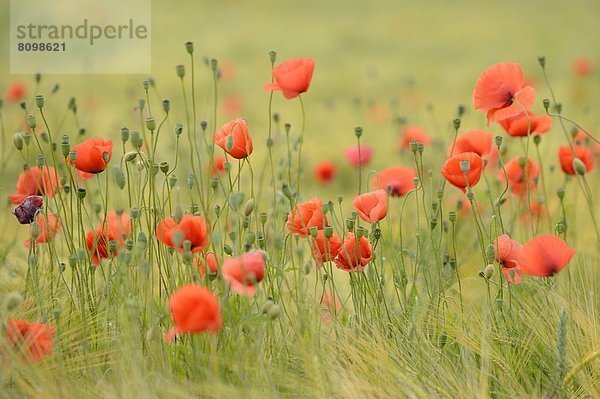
<point x="36" y="181"/>
<point x="462" y="170"/>
<point x="501" y="92"/>
<point x="208" y="262"/>
<point x="373" y="206"/>
<point x="244" y="272"/>
<point x="477" y="141"/>
<point x="397" y="180"/>
<point x="234" y="138"/>
<point x="366" y="153"/>
<point x="325" y="171"/>
<point x="544" y="255"/>
<point x="33" y="341"/>
<point x="25" y="212"/>
<point x="194" y="309"/>
<point x="15" y="92"/>
<point x="518" y="126"/>
<point x="48" y="228"/>
<point x="516" y="169"/>
<point x="583" y="66"/>
<point x="413" y="133"/>
<point x="507" y="252"/>
<point x="355" y="254"/>
<point x="325" y="249"/>
<point x="565" y="156"/>
<point x="93" y="155"/>
<point x="218" y="166"/>
<point x="190" y="228"/>
<point x="306" y="215"/>
<point x="292" y="77"/>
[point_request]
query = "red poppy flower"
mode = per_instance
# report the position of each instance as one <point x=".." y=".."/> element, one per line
<point x="237" y="133"/>
<point x="232" y="105"/>
<point x="48" y="228"/>
<point x="194" y="309"/>
<point x="325" y="249"/>
<point x="580" y="138"/>
<point x="218" y="166"/>
<point x="456" y="176"/>
<point x="518" y="125"/>
<point x="330" y="305"/>
<point x="354" y="254"/>
<point x="117" y="228"/>
<point x="507" y="252"/>
<point x="413" y="133"/>
<point x="565" y="156"/>
<point x="85" y="175"/>
<point x="583" y="66"/>
<point x="36" y="181"/>
<point x="244" y="272"/>
<point x="544" y="256"/>
<point x="190" y="228"/>
<point x="15" y="92"/>
<point x="397" y="180"/>
<point x="516" y="175"/>
<point x="501" y="92"/>
<point x="305" y="216"/>
<point x="33" y="341"/>
<point x="477" y="141"/>
<point x="292" y="77"/>
<point x="93" y="155"/>
<point x="325" y="171"/>
<point x="366" y="153"/>
<point x="208" y="262"/>
<point x="373" y="206"/>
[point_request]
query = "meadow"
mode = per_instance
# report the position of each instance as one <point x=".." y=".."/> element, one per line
<point x="310" y="200"/>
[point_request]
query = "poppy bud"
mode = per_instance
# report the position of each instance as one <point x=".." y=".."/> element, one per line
<point x="328" y="231"/>
<point x="350" y="224"/>
<point x="465" y="165"/>
<point x="146" y="85"/>
<point x="433" y="223"/>
<point x="180" y="70"/>
<point x="542" y="61"/>
<point x="490" y="253"/>
<point x="262" y="217"/>
<point x="358" y="131"/>
<point x="34" y="230"/>
<point x="461" y="110"/>
<point x="456" y="123"/>
<point x="31" y="122"/>
<point x="119" y="177"/>
<point x="314" y="231"/>
<point x="190" y="181"/>
<point x="39" y="101"/>
<point x="166" y="105"/>
<point x="414" y="146"/>
<point x="452" y="216"/>
<point x="488" y="272"/>
<point x="537" y="139"/>
<point x="272" y="56"/>
<point x="227" y="248"/>
<point x="249" y="207"/>
<point x="18" y="141"/>
<point x="81" y="193"/>
<point x="178" y="129"/>
<point x="12" y="301"/>
<point x="189" y="47"/>
<point x="287" y="191"/>
<point x="560" y="193"/>
<point x="150" y="123"/>
<point x="579" y="166"/>
<point x="130" y="156"/>
<point x="249" y="238"/>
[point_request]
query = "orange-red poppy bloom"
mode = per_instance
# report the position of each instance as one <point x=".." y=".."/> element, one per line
<point x="413" y="133"/>
<point x="36" y="181"/>
<point x="207" y="263"/>
<point x="477" y="141"/>
<point x="116" y="228"/>
<point x="580" y="138"/>
<point x="15" y="92"/>
<point x="462" y="170"/>
<point x="218" y="166"/>
<point x="194" y="309"/>
<point x="583" y="66"/>
<point x="373" y="206"/>
<point x="397" y="180"/>
<point x="292" y="77"/>
<point x="354" y="254"/>
<point x="352" y="155"/>
<point x="325" y="249"/>
<point x="33" y="341"/>
<point x="325" y="171"/>
<point x="501" y="92"/>
<point x="190" y="228"/>
<point x="507" y="253"/>
<point x="234" y="138"/>
<point x="93" y="155"/>
<point x="48" y="228"/>
<point x="516" y="169"/>
<point x="232" y="105"/>
<point x="519" y="125"/>
<point x="244" y="272"/>
<point x="565" y="156"/>
<point x="544" y="255"/>
<point x="306" y="215"/>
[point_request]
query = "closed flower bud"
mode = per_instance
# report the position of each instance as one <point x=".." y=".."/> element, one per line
<point x="227" y="248"/>
<point x="119" y="177"/>
<point x="537" y="139"/>
<point x="18" y="141"/>
<point x="249" y="207"/>
<point x="166" y="105"/>
<point x="130" y="156"/>
<point x="490" y="253"/>
<point x="34" y="230"/>
<point x="579" y="166"/>
<point x="12" y="301"/>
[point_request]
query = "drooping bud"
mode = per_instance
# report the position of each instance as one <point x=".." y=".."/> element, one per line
<point x="18" y="141"/>
<point x="579" y="166"/>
